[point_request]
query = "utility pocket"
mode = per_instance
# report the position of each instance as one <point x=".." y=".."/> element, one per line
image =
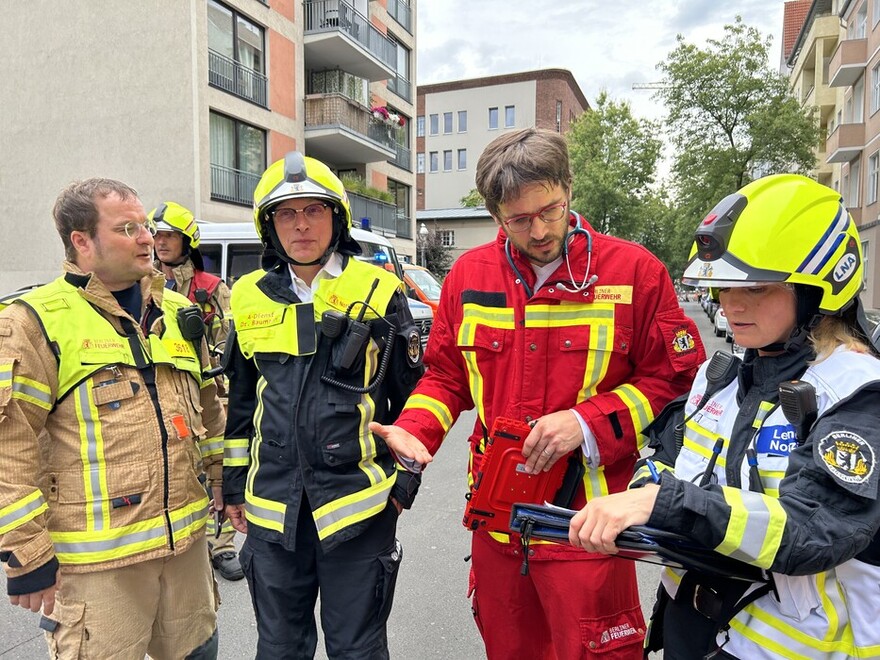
<point x="798" y="595"/>
<point x="390" y="567"/>
<point x="66" y="630"/>
<point x="615" y="637"/>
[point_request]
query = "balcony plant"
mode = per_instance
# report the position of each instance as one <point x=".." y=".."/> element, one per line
<point x="386" y="116"/>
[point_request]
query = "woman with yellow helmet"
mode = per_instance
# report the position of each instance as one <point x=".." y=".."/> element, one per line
<point x="772" y="459"/>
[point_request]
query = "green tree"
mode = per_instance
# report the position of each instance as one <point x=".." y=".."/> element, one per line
<point x="438" y="257"/>
<point x="614" y="162"/>
<point x="472" y="200"/>
<point x="731" y="119"/>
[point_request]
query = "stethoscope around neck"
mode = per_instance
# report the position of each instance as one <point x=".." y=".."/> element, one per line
<point x="588" y="279"/>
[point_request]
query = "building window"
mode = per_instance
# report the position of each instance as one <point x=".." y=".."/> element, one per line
<point x="509" y="116"/>
<point x="493" y="118"/>
<point x="462" y="121"/>
<point x="435" y="124"/>
<point x="876" y="14"/>
<point x="559" y="116"/>
<point x="420" y="163"/>
<point x="858" y="27"/>
<point x="420" y="126"/>
<point x="401" y="200"/>
<point x="462" y="159"/>
<point x="447" y="160"/>
<point x="873" y="177"/>
<point x="236" y="54"/>
<point x="400" y="83"/>
<point x="447" y="122"/>
<point x="447" y="237"/>
<point x="434" y="161"/>
<point x="238" y="158"/>
<point x="866" y="256"/>
<point x="851" y="194"/>
<point x="875" y="85"/>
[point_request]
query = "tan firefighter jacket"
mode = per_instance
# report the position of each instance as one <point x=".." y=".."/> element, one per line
<point x="105" y="429"/>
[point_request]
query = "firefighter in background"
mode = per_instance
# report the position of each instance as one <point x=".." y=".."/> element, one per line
<point x="796" y="497"/>
<point x="107" y="426"/>
<point x="179" y="259"/>
<point x="579" y="332"/>
<point x="325" y="345"/>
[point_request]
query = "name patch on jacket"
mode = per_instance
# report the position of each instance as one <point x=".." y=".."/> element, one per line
<point x="259" y="319"/>
<point x="849" y="458"/>
<point x="776" y="440"/>
<point x="126" y="500"/>
<point x="617" y="294"/>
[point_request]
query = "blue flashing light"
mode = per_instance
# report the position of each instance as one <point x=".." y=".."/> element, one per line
<point x="365" y="223"/>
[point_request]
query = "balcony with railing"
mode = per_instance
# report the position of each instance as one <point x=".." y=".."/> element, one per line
<point x="231" y="185"/>
<point x="384" y="218"/>
<point x="845" y="143"/>
<point x="338" y="36"/>
<point x="848" y="62"/>
<point x="400" y="86"/>
<point x="403" y="159"/>
<point x="338" y="129"/>
<point x="401" y="12"/>
<point x="237" y="79"/>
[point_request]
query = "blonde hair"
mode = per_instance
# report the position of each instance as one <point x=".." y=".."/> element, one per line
<point x="834" y="331"/>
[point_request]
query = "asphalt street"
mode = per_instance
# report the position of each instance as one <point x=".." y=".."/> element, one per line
<point x="431" y="616"/>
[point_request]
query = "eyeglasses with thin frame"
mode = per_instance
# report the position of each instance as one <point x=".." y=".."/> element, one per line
<point x="312" y="213"/>
<point x="548" y="214"/>
<point x="133" y="229"/>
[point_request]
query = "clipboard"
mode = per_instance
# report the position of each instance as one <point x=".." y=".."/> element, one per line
<point x="639" y="543"/>
<point x="502" y="479"/>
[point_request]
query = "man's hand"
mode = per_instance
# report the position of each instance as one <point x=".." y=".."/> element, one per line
<point x="595" y="527"/>
<point x="552" y="437"/>
<point x="407" y="447"/>
<point x="235" y="514"/>
<point x="38" y="599"/>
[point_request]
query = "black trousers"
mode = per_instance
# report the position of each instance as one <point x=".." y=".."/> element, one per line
<point x="355" y="580"/>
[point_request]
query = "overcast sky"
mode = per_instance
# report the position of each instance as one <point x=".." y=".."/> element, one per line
<point x="606" y="45"/>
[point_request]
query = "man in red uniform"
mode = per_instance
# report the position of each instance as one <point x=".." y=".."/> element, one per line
<point x="579" y="333"/>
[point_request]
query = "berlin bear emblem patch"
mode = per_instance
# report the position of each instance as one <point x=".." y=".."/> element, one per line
<point x="414" y="347"/>
<point x="847" y="456"/>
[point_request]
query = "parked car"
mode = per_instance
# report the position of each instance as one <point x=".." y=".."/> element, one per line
<point x="423" y="284"/>
<point x="720" y="322"/>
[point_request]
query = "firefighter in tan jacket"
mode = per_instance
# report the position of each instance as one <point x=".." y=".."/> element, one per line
<point x="106" y="424"/>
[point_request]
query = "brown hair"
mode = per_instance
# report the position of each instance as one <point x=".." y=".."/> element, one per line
<point x="514" y="160"/>
<point x="76" y="210"/>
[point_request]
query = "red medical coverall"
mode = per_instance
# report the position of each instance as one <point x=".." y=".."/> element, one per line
<point x="616" y="353"/>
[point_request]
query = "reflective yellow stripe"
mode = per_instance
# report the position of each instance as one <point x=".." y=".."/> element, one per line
<point x="352" y="508"/>
<point x="437" y="408"/>
<point x="764" y="409"/>
<point x="19" y="512"/>
<point x="599" y="353"/>
<point x="475" y="381"/>
<point x="235" y="452"/>
<point x="639" y="410"/>
<point x="474" y="315"/>
<point x="206" y="382"/>
<point x="565" y="315"/>
<point x="92" y="456"/>
<point x="694" y="433"/>
<point x="90" y="547"/>
<point x="263" y="512"/>
<point x="258" y="437"/>
<point x="367" y="410"/>
<point x="26" y="389"/>
<point x="754" y="531"/>
<point x="595" y="484"/>
<point x="211" y="446"/>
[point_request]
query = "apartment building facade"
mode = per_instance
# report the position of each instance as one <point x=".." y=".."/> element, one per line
<point x="456" y="120"/>
<point x="190" y="100"/>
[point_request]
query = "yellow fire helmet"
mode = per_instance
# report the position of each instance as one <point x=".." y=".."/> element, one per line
<point x="297" y="176"/>
<point x="780" y="228"/>
<point x="174" y="217"/>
